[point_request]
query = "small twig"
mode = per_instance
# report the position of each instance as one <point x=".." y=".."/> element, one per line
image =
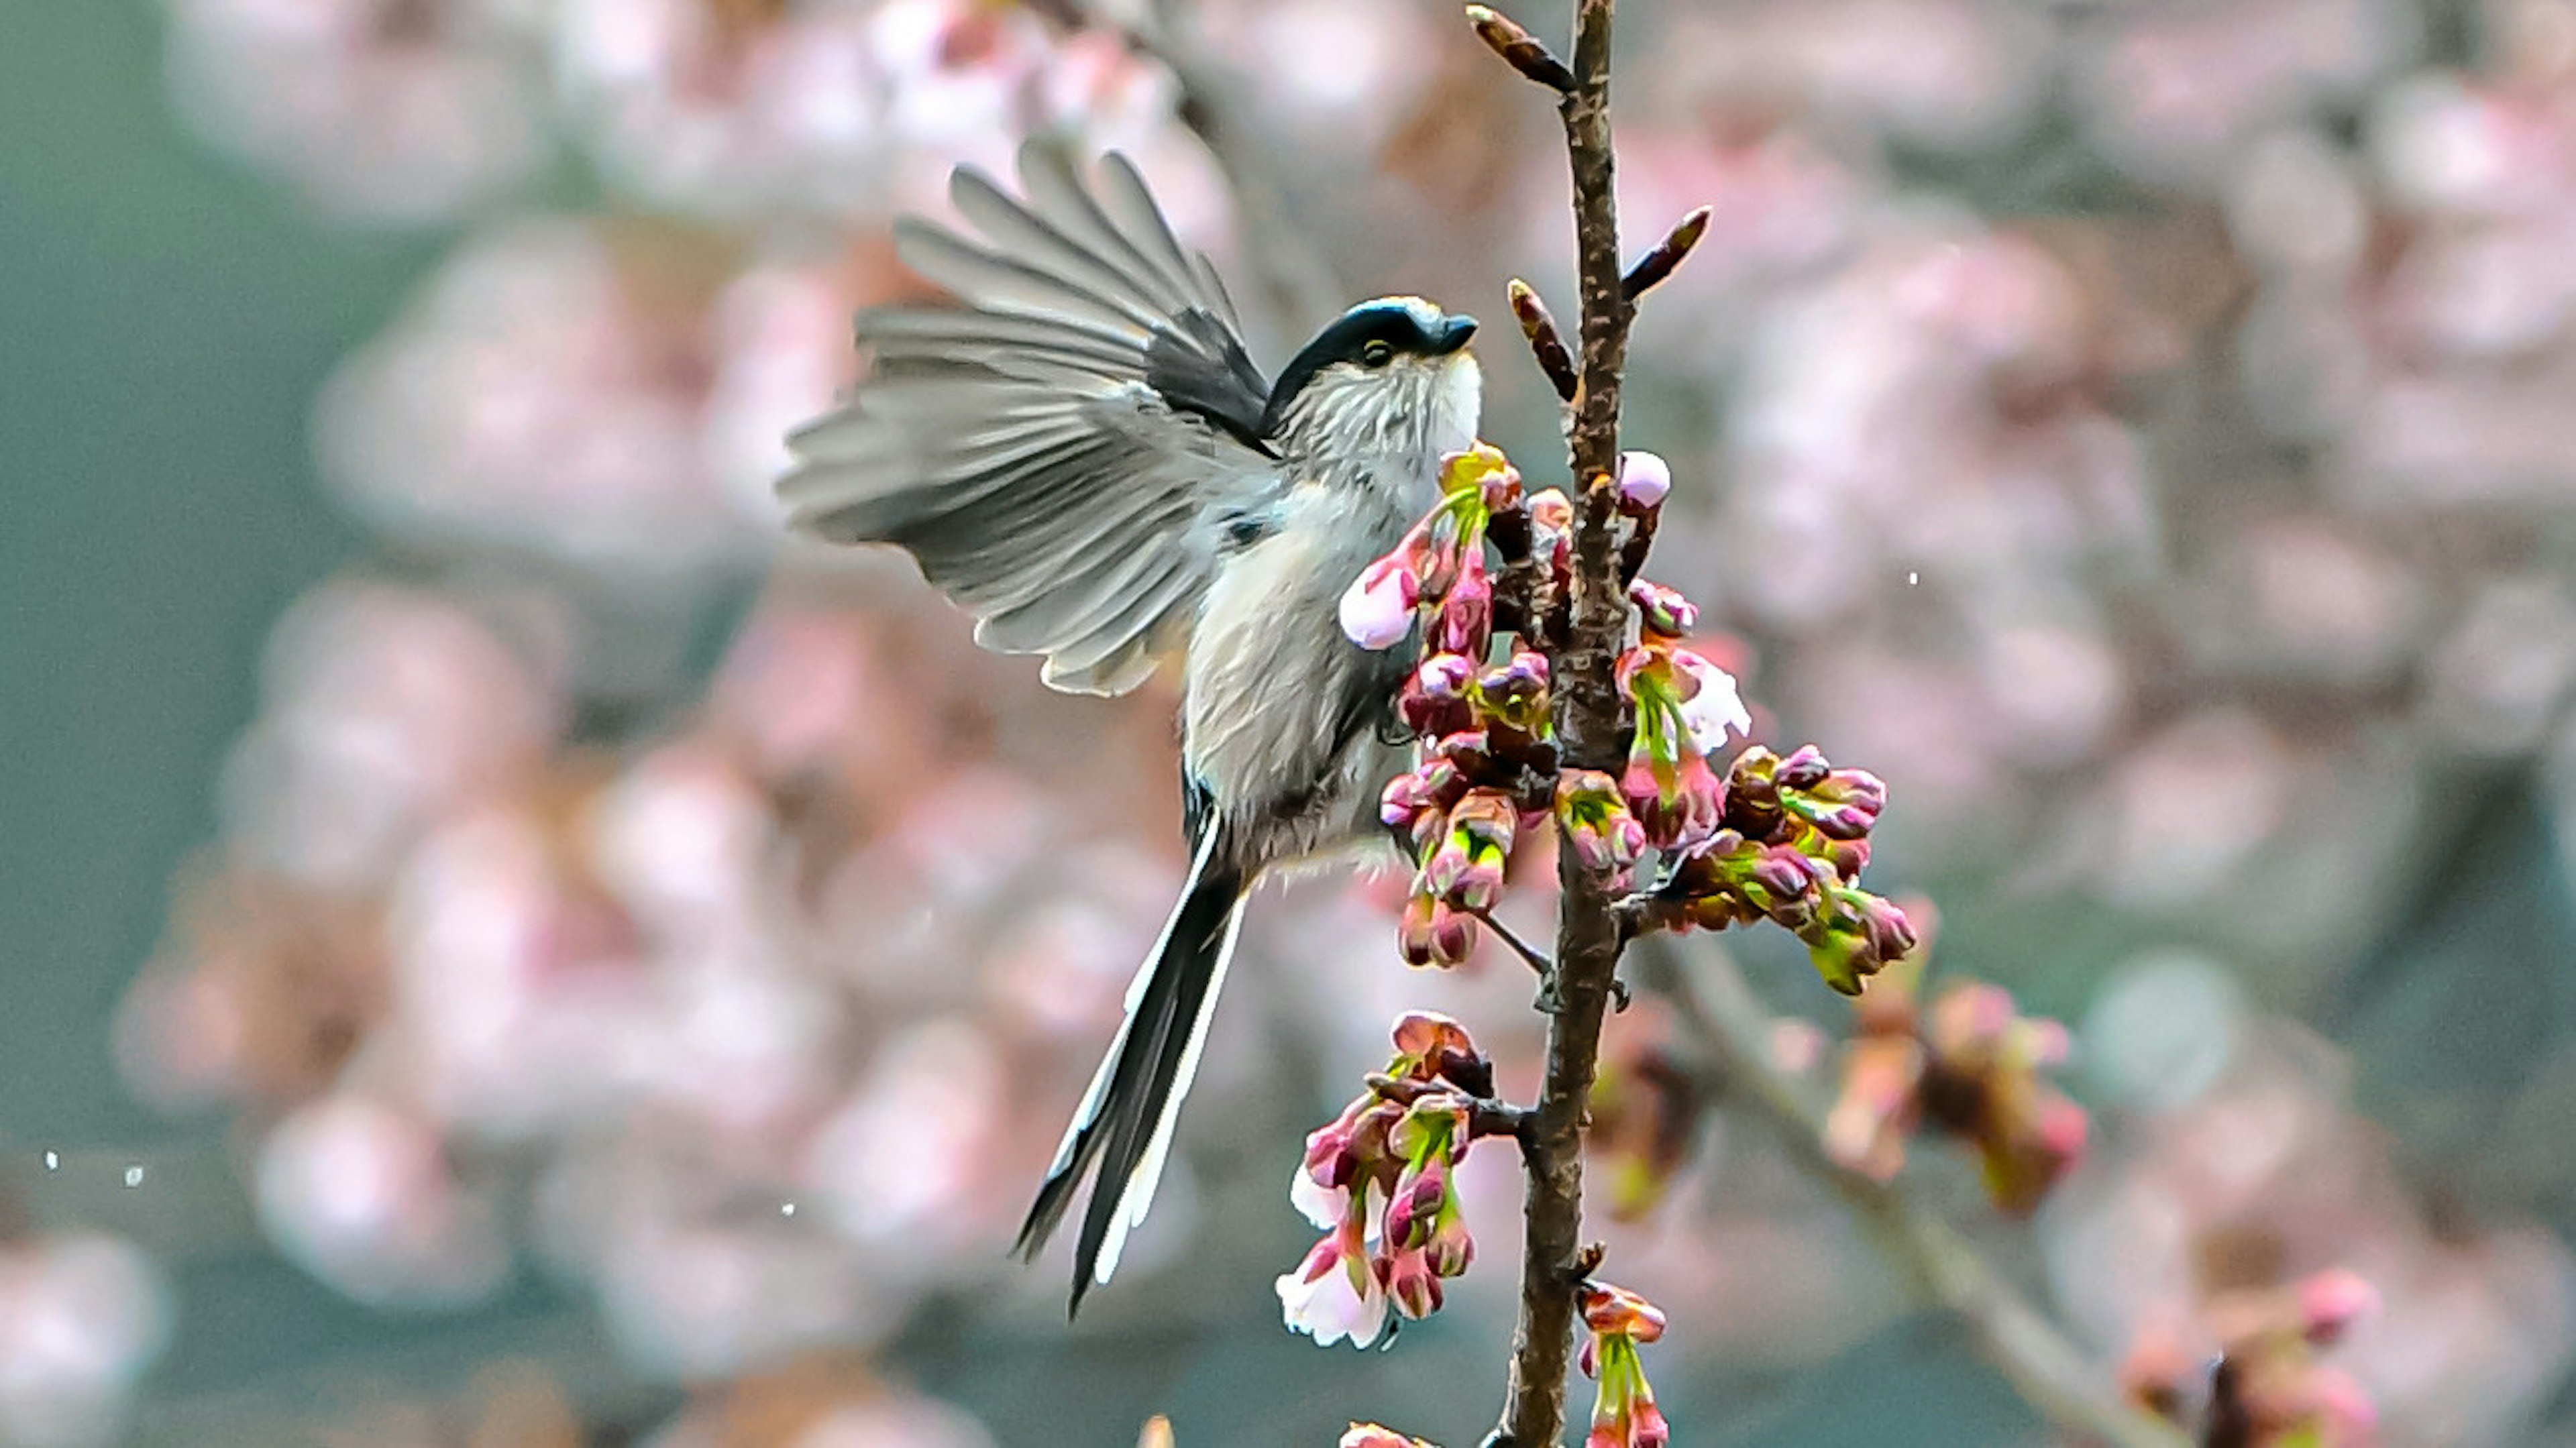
<point x="1546" y="343"/>
<point x="1486" y="1115"/>
<point x="1498" y="1118"/>
<point x="1536" y="957"/>
<point x="1521" y="49"/>
<point x="1658" y="264"/>
<point x="1718" y="1014"/>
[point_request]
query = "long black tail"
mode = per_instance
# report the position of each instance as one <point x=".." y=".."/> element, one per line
<point x="1126" y="1118"/>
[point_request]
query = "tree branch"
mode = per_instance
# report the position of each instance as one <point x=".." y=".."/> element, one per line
<point x="1722" y="1020"/>
<point x="1588" y="723"/>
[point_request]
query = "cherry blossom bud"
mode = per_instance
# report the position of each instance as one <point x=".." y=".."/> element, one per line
<point x="1410" y="1283"/>
<point x="1804" y="768"/>
<point x="1436" y="1124"/>
<point x="1450" y="1249"/>
<point x="1663" y="611"/>
<point x="1415" y="1205"/>
<point x="1417" y="804"/>
<point x="1842" y="805"/>
<point x="1514" y="693"/>
<point x="1435" y="700"/>
<point x="1377" y="609"/>
<point x="2331" y="1301"/>
<point x="1678" y="806"/>
<point x="1465" y="623"/>
<point x="1467" y="869"/>
<point x="1424" y="1037"/>
<point x="1623" y="1411"/>
<point x="1753" y="794"/>
<point x="1644" y="480"/>
<point x="1609" y="1309"/>
<point x="1463" y="876"/>
<point x="1596" y="821"/>
<point x="1434" y="935"/>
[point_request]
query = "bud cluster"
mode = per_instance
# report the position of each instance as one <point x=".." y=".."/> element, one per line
<point x="1790" y="839"/>
<point x="1624" y="1414"/>
<point x="1487" y="750"/>
<point x="1379" y="1180"/>
<point x="2268" y="1390"/>
<point x="1782" y="839"/>
<point x="1974" y="1069"/>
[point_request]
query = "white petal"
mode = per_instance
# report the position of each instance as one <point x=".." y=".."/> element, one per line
<point x="1716" y="708"/>
<point x="1322" y="1205"/>
<point x="1373" y="610"/>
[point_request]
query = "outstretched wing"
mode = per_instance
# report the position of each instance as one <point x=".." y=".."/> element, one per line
<point x="1065" y="452"/>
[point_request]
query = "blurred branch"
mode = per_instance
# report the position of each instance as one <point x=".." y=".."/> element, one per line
<point x="1588" y="724"/>
<point x="1721" y="1018"/>
<point x="1298" y="285"/>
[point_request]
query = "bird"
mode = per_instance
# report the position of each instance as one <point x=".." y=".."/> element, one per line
<point x="1078" y="449"/>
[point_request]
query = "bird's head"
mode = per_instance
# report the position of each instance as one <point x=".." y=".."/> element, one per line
<point x="1388" y="376"/>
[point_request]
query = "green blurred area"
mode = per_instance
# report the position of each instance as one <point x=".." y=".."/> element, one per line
<point x="165" y="321"/>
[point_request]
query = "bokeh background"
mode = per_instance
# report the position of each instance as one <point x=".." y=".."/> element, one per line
<point x="503" y="950"/>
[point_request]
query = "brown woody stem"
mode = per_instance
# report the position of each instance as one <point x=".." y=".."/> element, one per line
<point x="1588" y="726"/>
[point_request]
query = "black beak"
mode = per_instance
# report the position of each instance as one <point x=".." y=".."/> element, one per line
<point x="1453" y="335"/>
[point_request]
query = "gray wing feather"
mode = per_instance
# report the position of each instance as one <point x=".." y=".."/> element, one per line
<point x="1017" y="444"/>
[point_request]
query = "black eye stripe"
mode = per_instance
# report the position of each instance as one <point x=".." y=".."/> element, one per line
<point x="1371" y="335"/>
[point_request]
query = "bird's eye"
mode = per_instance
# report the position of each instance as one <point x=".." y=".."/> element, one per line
<point x="1378" y="354"/>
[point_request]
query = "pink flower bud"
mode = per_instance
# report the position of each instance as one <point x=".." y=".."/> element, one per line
<point x="1616" y="1311"/>
<point x="1434" y="935"/>
<point x="1596" y="821"/>
<point x="1414" y="805"/>
<point x="1644" y="480"/>
<point x="1410" y="1283"/>
<point x="2331" y="1301"/>
<point x="1663" y="611"/>
<point x="1415" y="1204"/>
<point x="1435" y="699"/>
<point x="1372" y="1435"/>
<point x="1515" y="692"/>
<point x="1805" y="768"/>
<point x="1377" y="609"/>
<point x="1465" y="623"/>
<point x="1451" y="1249"/>
<point x="1679" y="806"/>
<point x="1425" y="1035"/>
